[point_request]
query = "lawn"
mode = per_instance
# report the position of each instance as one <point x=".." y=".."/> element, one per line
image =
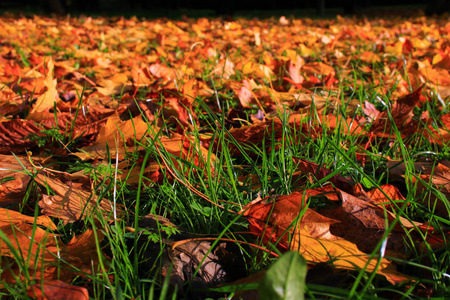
<point x="204" y="158"/>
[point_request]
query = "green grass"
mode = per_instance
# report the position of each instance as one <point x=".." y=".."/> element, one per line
<point x="272" y="163"/>
<point x="202" y="195"/>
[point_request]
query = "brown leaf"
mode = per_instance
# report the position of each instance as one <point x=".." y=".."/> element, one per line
<point x="32" y="242"/>
<point x="345" y="234"/>
<point x="182" y="111"/>
<point x="190" y="258"/>
<point x="114" y="85"/>
<point x="184" y="147"/>
<point x="70" y="203"/>
<point x="401" y="112"/>
<point x="14" y="135"/>
<point x="320" y="68"/>
<point x="10" y="102"/>
<point x="132" y="174"/>
<point x="162" y="71"/>
<point x="14" y="180"/>
<point x="225" y="68"/>
<point x="312" y="169"/>
<point x="294" y="68"/>
<point x="370" y="111"/>
<point x="57" y="290"/>
<point x="18" y="229"/>
<point x="81" y="252"/>
<point x="8" y="217"/>
<point x="435" y="174"/>
<point x="141" y="75"/>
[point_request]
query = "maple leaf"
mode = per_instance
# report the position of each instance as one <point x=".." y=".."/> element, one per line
<point x="46" y="101"/>
<point x="385" y="194"/>
<point x="324" y="234"/>
<point x="318" y="68"/>
<point x="401" y="113"/>
<point x="14" y="180"/>
<point x="70" y="203"/>
<point x="10" y="102"/>
<point x="116" y="135"/>
<point x="57" y="289"/>
<point x="117" y="85"/>
<point x="161" y="71"/>
<point x="370" y="111"/>
<point x="44" y="249"/>
<point x="225" y="68"/>
<point x="113" y="85"/>
<point x="428" y="175"/>
<point x="16" y="231"/>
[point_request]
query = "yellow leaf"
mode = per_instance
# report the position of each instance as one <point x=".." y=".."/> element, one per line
<point x="47" y="100"/>
<point x="117" y="135"/>
<point x="8" y="217"/>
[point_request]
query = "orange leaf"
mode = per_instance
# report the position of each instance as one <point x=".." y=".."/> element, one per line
<point x="71" y="203"/>
<point x="391" y="191"/>
<point x="343" y="235"/>
<point x="318" y="68"/>
<point x="401" y="112"/>
<point x="118" y="135"/>
<point x="46" y="101"/>
<point x="12" y="191"/>
<point x="57" y="290"/>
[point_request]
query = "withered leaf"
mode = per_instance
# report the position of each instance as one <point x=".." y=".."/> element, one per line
<point x="46" y="101"/>
<point x="189" y="256"/>
<point x="401" y="112"/>
<point x="26" y="238"/>
<point x="57" y="290"/>
<point x="13" y="178"/>
<point x="346" y="235"/>
<point x="70" y="203"/>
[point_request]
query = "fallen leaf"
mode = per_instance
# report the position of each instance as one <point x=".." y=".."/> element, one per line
<point x="385" y="195"/>
<point x="426" y="174"/>
<point x="70" y="203"/>
<point x="13" y="178"/>
<point x="344" y="235"/>
<point x="46" y="101"/>
<point x="178" y="255"/>
<point x="118" y="136"/>
<point x="401" y="112"/>
<point x="57" y="290"/>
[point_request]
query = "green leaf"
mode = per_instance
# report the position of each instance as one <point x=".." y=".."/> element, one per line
<point x="285" y="279"/>
<point x="367" y="183"/>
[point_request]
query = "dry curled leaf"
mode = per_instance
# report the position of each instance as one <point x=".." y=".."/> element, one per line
<point x="335" y="227"/>
<point x="71" y="203"/>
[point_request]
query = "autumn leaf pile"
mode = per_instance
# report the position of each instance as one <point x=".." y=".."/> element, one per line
<point x="104" y="91"/>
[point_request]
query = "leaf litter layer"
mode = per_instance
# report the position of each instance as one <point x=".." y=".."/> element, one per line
<point x="153" y="158"/>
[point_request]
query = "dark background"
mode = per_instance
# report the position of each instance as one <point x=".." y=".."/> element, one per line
<point x="221" y="7"/>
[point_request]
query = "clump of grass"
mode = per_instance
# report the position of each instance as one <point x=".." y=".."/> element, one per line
<point x="202" y="192"/>
<point x="119" y="274"/>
